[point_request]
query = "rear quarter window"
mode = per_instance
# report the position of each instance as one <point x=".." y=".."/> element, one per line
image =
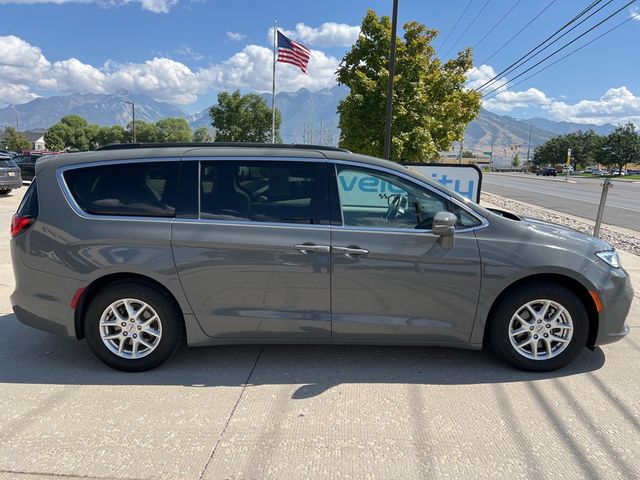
<point x="146" y="189"/>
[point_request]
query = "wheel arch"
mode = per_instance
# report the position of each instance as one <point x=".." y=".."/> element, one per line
<point x="579" y="289"/>
<point x="98" y="284"/>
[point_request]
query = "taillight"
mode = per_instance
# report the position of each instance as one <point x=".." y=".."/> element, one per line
<point x="19" y="224"/>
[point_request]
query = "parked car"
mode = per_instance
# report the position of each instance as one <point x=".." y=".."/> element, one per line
<point x="27" y="161"/>
<point x="137" y="247"/>
<point x="547" y="172"/>
<point x="599" y="172"/>
<point x="10" y="177"/>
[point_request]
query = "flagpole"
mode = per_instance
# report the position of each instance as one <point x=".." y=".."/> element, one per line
<point x="273" y="86"/>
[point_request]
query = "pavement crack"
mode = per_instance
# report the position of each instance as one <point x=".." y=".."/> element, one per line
<point x="233" y="411"/>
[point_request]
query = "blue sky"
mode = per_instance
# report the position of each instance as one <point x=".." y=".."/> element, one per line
<point x="184" y="52"/>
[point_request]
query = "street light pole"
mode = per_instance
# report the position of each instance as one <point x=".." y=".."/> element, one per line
<point x="133" y="122"/>
<point x="529" y="146"/>
<point x="392" y="69"/>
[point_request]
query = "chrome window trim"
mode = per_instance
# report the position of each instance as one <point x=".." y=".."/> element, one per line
<point x="66" y="192"/>
<point x="483" y="221"/>
<point x="241" y="223"/>
<point x="226" y="158"/>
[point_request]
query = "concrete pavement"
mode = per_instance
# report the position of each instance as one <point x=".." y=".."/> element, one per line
<point x="306" y="412"/>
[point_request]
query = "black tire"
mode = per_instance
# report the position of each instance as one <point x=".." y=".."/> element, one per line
<point x="498" y="329"/>
<point x="5" y="191"/>
<point x="169" y="317"/>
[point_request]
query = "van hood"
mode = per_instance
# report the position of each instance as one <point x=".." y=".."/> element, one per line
<point x="565" y="236"/>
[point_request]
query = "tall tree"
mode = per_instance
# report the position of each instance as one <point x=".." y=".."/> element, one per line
<point x="620" y="147"/>
<point x="145" y="132"/>
<point x="173" y="130"/>
<point x="71" y="132"/>
<point x="114" y="134"/>
<point x="202" y="134"/>
<point x="431" y="105"/>
<point x="584" y="149"/>
<point x="14" y="140"/>
<point x="243" y="118"/>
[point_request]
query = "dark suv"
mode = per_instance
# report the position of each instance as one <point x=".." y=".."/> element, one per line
<point x="547" y="172"/>
<point x="10" y="177"/>
<point x="137" y="248"/>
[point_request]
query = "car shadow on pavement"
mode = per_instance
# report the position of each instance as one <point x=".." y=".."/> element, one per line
<point x="30" y="356"/>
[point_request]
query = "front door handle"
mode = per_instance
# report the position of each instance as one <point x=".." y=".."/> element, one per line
<point x="310" y="248"/>
<point x="351" y="251"/>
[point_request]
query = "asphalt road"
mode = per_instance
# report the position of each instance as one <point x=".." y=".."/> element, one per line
<point x="580" y="198"/>
<point x="311" y="412"/>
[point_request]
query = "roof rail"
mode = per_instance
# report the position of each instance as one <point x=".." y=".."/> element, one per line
<point x="294" y="146"/>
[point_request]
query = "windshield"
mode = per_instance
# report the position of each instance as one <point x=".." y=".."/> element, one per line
<point x="7" y="163"/>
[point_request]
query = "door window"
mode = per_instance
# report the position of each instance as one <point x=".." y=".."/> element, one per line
<point x="369" y="198"/>
<point x="275" y="192"/>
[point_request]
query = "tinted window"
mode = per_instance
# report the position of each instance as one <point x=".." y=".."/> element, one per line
<point x="279" y="192"/>
<point x="29" y="205"/>
<point x="137" y="189"/>
<point x="19" y="159"/>
<point x="370" y="198"/>
<point x="7" y="163"/>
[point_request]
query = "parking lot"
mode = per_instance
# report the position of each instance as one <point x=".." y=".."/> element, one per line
<point x="311" y="411"/>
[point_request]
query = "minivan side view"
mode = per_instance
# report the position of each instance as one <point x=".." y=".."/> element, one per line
<point x="139" y="248"/>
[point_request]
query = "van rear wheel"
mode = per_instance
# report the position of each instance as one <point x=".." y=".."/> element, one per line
<point x="539" y="327"/>
<point x="132" y="327"/>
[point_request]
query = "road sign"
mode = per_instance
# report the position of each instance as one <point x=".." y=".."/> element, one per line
<point x="487" y="153"/>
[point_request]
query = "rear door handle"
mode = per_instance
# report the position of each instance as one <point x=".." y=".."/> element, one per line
<point x="310" y="248"/>
<point x="351" y="251"/>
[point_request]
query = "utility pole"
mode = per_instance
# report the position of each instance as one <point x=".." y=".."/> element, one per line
<point x="568" y="163"/>
<point x="529" y="146"/>
<point x="392" y="70"/>
<point x="133" y="121"/>
<point x="461" y="146"/>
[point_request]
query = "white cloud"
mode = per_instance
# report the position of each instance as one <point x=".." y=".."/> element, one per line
<point x="635" y="13"/>
<point x="478" y="76"/>
<point x="23" y="67"/>
<point x="15" y="94"/>
<point x="329" y="34"/>
<point x="235" y="36"/>
<point x="615" y="106"/>
<point x="155" y="6"/>
<point x="506" y="101"/>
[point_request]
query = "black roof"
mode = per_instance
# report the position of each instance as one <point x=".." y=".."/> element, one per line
<point x="296" y="146"/>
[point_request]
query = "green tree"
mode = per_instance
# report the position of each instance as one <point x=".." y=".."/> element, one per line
<point x="14" y="140"/>
<point x="114" y="134"/>
<point x="202" y="134"/>
<point x="71" y="132"/>
<point x="174" y="130"/>
<point x="145" y="132"/>
<point x="431" y="106"/>
<point x="243" y="118"/>
<point x="620" y="147"/>
<point x="516" y="161"/>
<point x="584" y="149"/>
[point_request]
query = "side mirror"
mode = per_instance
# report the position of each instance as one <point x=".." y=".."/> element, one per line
<point x="444" y="226"/>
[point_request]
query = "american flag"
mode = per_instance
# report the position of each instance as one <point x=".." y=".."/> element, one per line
<point x="293" y="52"/>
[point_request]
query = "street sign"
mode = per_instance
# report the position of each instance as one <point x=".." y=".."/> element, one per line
<point x="465" y="180"/>
<point x="488" y="154"/>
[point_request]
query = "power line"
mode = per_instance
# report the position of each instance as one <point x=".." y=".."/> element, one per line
<point x="498" y="23"/>
<point x="468" y="27"/>
<point x="567" y="55"/>
<point x="506" y="72"/>
<point x="563" y="47"/>
<point x="456" y="24"/>
<point x="593" y="4"/>
<point x="519" y="32"/>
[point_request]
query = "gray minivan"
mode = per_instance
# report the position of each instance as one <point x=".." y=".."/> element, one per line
<point x="138" y="248"/>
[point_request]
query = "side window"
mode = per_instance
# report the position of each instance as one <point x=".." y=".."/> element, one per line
<point x="136" y="189"/>
<point x="276" y="192"/>
<point x="465" y="219"/>
<point x="369" y="198"/>
<point x="18" y="159"/>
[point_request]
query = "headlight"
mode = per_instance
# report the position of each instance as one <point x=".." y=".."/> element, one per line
<point x="610" y="257"/>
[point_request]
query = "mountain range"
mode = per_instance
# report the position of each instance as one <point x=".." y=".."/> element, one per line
<point x="308" y="117"/>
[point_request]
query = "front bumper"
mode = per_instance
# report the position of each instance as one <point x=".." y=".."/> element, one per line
<point x="616" y="296"/>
